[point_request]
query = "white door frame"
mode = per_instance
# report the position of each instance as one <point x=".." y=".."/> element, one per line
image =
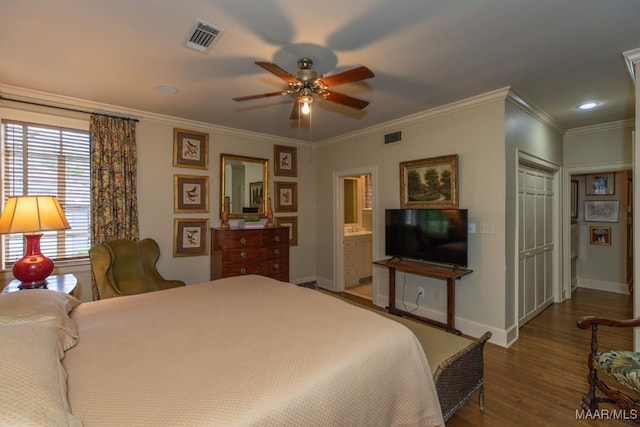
<point x="338" y="220"/>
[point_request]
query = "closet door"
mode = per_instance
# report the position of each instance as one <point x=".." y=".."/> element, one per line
<point x="535" y="199"/>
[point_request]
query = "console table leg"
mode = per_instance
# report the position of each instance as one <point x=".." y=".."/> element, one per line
<point x="451" y="305"/>
<point x="392" y="292"/>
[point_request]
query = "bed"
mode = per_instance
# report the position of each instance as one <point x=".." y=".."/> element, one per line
<point x="238" y="351"/>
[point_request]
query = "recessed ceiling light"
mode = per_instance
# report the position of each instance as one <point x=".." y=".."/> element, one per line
<point x="588" y="105"/>
<point x="166" y="89"/>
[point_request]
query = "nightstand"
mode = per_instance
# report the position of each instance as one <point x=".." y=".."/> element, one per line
<point x="62" y="283"/>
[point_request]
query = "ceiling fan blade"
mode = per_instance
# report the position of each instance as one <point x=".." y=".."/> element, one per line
<point x="262" y="95"/>
<point x="349" y="101"/>
<point x="349" y="76"/>
<point x="295" y="112"/>
<point x="274" y="69"/>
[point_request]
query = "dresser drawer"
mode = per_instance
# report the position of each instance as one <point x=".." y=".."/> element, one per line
<point x="275" y="237"/>
<point x="230" y="270"/>
<point x="236" y="252"/>
<point x="244" y="254"/>
<point x="241" y="239"/>
<point x="276" y="266"/>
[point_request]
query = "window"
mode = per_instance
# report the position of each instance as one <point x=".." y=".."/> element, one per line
<point x="42" y="159"/>
<point x="368" y="192"/>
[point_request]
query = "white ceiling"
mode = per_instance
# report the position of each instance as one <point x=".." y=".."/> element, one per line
<point x="424" y="53"/>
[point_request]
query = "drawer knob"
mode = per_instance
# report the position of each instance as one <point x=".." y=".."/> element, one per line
<point x="277" y="238"/>
<point x="243" y="241"/>
<point x="243" y="270"/>
<point x="276" y="267"/>
<point x="277" y="251"/>
<point x="243" y="255"/>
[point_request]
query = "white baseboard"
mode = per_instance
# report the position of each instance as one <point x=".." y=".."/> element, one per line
<point x="601" y="285"/>
<point x="503" y="338"/>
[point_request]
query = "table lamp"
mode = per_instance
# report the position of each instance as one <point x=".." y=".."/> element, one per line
<point x="32" y="215"/>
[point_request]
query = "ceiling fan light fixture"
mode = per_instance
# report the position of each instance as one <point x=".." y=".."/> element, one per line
<point x="306" y="99"/>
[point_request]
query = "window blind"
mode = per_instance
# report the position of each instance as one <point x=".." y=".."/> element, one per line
<point x="368" y="192"/>
<point x="42" y="159"/>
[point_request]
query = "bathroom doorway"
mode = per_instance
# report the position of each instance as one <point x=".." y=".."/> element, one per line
<point x="357" y="234"/>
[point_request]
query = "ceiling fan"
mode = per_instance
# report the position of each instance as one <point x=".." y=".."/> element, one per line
<point x="306" y="83"/>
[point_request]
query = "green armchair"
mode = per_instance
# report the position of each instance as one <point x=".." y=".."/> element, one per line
<point x="127" y="267"/>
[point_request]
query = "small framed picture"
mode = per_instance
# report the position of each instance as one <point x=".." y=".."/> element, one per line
<point x="292" y="223"/>
<point x="190" y="149"/>
<point x="190" y="237"/>
<point x="256" y="190"/>
<point x="600" y="235"/>
<point x="191" y="193"/>
<point x="600" y="184"/>
<point x="601" y="210"/>
<point x="286" y="196"/>
<point x="285" y="160"/>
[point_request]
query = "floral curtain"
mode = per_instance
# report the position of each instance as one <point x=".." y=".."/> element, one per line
<point x="114" y="199"/>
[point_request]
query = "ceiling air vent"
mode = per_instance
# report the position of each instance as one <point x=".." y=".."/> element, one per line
<point x="390" y="138"/>
<point x="203" y="36"/>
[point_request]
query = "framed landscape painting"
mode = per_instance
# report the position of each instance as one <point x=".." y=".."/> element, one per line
<point x="429" y="183"/>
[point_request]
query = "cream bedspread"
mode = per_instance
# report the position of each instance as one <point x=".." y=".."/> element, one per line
<point x="245" y="351"/>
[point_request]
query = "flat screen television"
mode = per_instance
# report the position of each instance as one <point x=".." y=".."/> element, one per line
<point x="431" y="235"/>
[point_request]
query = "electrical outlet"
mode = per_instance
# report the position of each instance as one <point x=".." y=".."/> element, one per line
<point x="420" y="292"/>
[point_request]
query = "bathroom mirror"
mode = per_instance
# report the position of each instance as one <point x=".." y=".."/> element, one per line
<point x="245" y="180"/>
<point x="350" y="201"/>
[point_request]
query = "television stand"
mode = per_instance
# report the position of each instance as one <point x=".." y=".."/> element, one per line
<point x="446" y="273"/>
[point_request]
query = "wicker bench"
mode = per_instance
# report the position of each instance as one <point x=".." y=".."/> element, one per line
<point x="456" y="362"/>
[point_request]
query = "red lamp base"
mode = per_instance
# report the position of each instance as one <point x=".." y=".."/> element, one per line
<point x="34" y="268"/>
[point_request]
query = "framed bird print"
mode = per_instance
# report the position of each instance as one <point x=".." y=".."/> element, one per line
<point x="285" y="160"/>
<point x="190" y="237"/>
<point x="190" y="149"/>
<point x="191" y="193"/>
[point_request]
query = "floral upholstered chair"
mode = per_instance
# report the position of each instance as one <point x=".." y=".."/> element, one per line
<point x="620" y="366"/>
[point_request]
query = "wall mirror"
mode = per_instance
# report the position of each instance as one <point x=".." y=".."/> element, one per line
<point x="350" y="201"/>
<point x="246" y="181"/>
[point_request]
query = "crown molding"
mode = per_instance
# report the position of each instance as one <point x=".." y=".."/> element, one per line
<point x="62" y="101"/>
<point x="534" y="111"/>
<point x="620" y="124"/>
<point x="631" y="57"/>
<point x="485" y="98"/>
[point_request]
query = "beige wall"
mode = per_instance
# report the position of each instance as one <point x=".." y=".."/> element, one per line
<point x="474" y="130"/>
<point x="601" y="148"/>
<point x="526" y="133"/>
<point x="486" y="132"/>
<point x="154" y="137"/>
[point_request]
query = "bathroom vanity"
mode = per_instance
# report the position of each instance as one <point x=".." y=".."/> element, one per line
<point x="357" y="258"/>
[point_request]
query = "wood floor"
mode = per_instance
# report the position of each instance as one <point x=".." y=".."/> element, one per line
<point x="540" y="379"/>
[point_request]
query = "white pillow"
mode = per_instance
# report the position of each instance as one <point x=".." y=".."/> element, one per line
<point x="33" y="382"/>
<point x="41" y="306"/>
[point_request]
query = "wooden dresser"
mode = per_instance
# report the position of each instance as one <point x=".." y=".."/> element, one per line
<point x="263" y="251"/>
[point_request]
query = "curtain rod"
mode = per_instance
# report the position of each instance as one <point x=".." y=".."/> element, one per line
<point x="70" y="109"/>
